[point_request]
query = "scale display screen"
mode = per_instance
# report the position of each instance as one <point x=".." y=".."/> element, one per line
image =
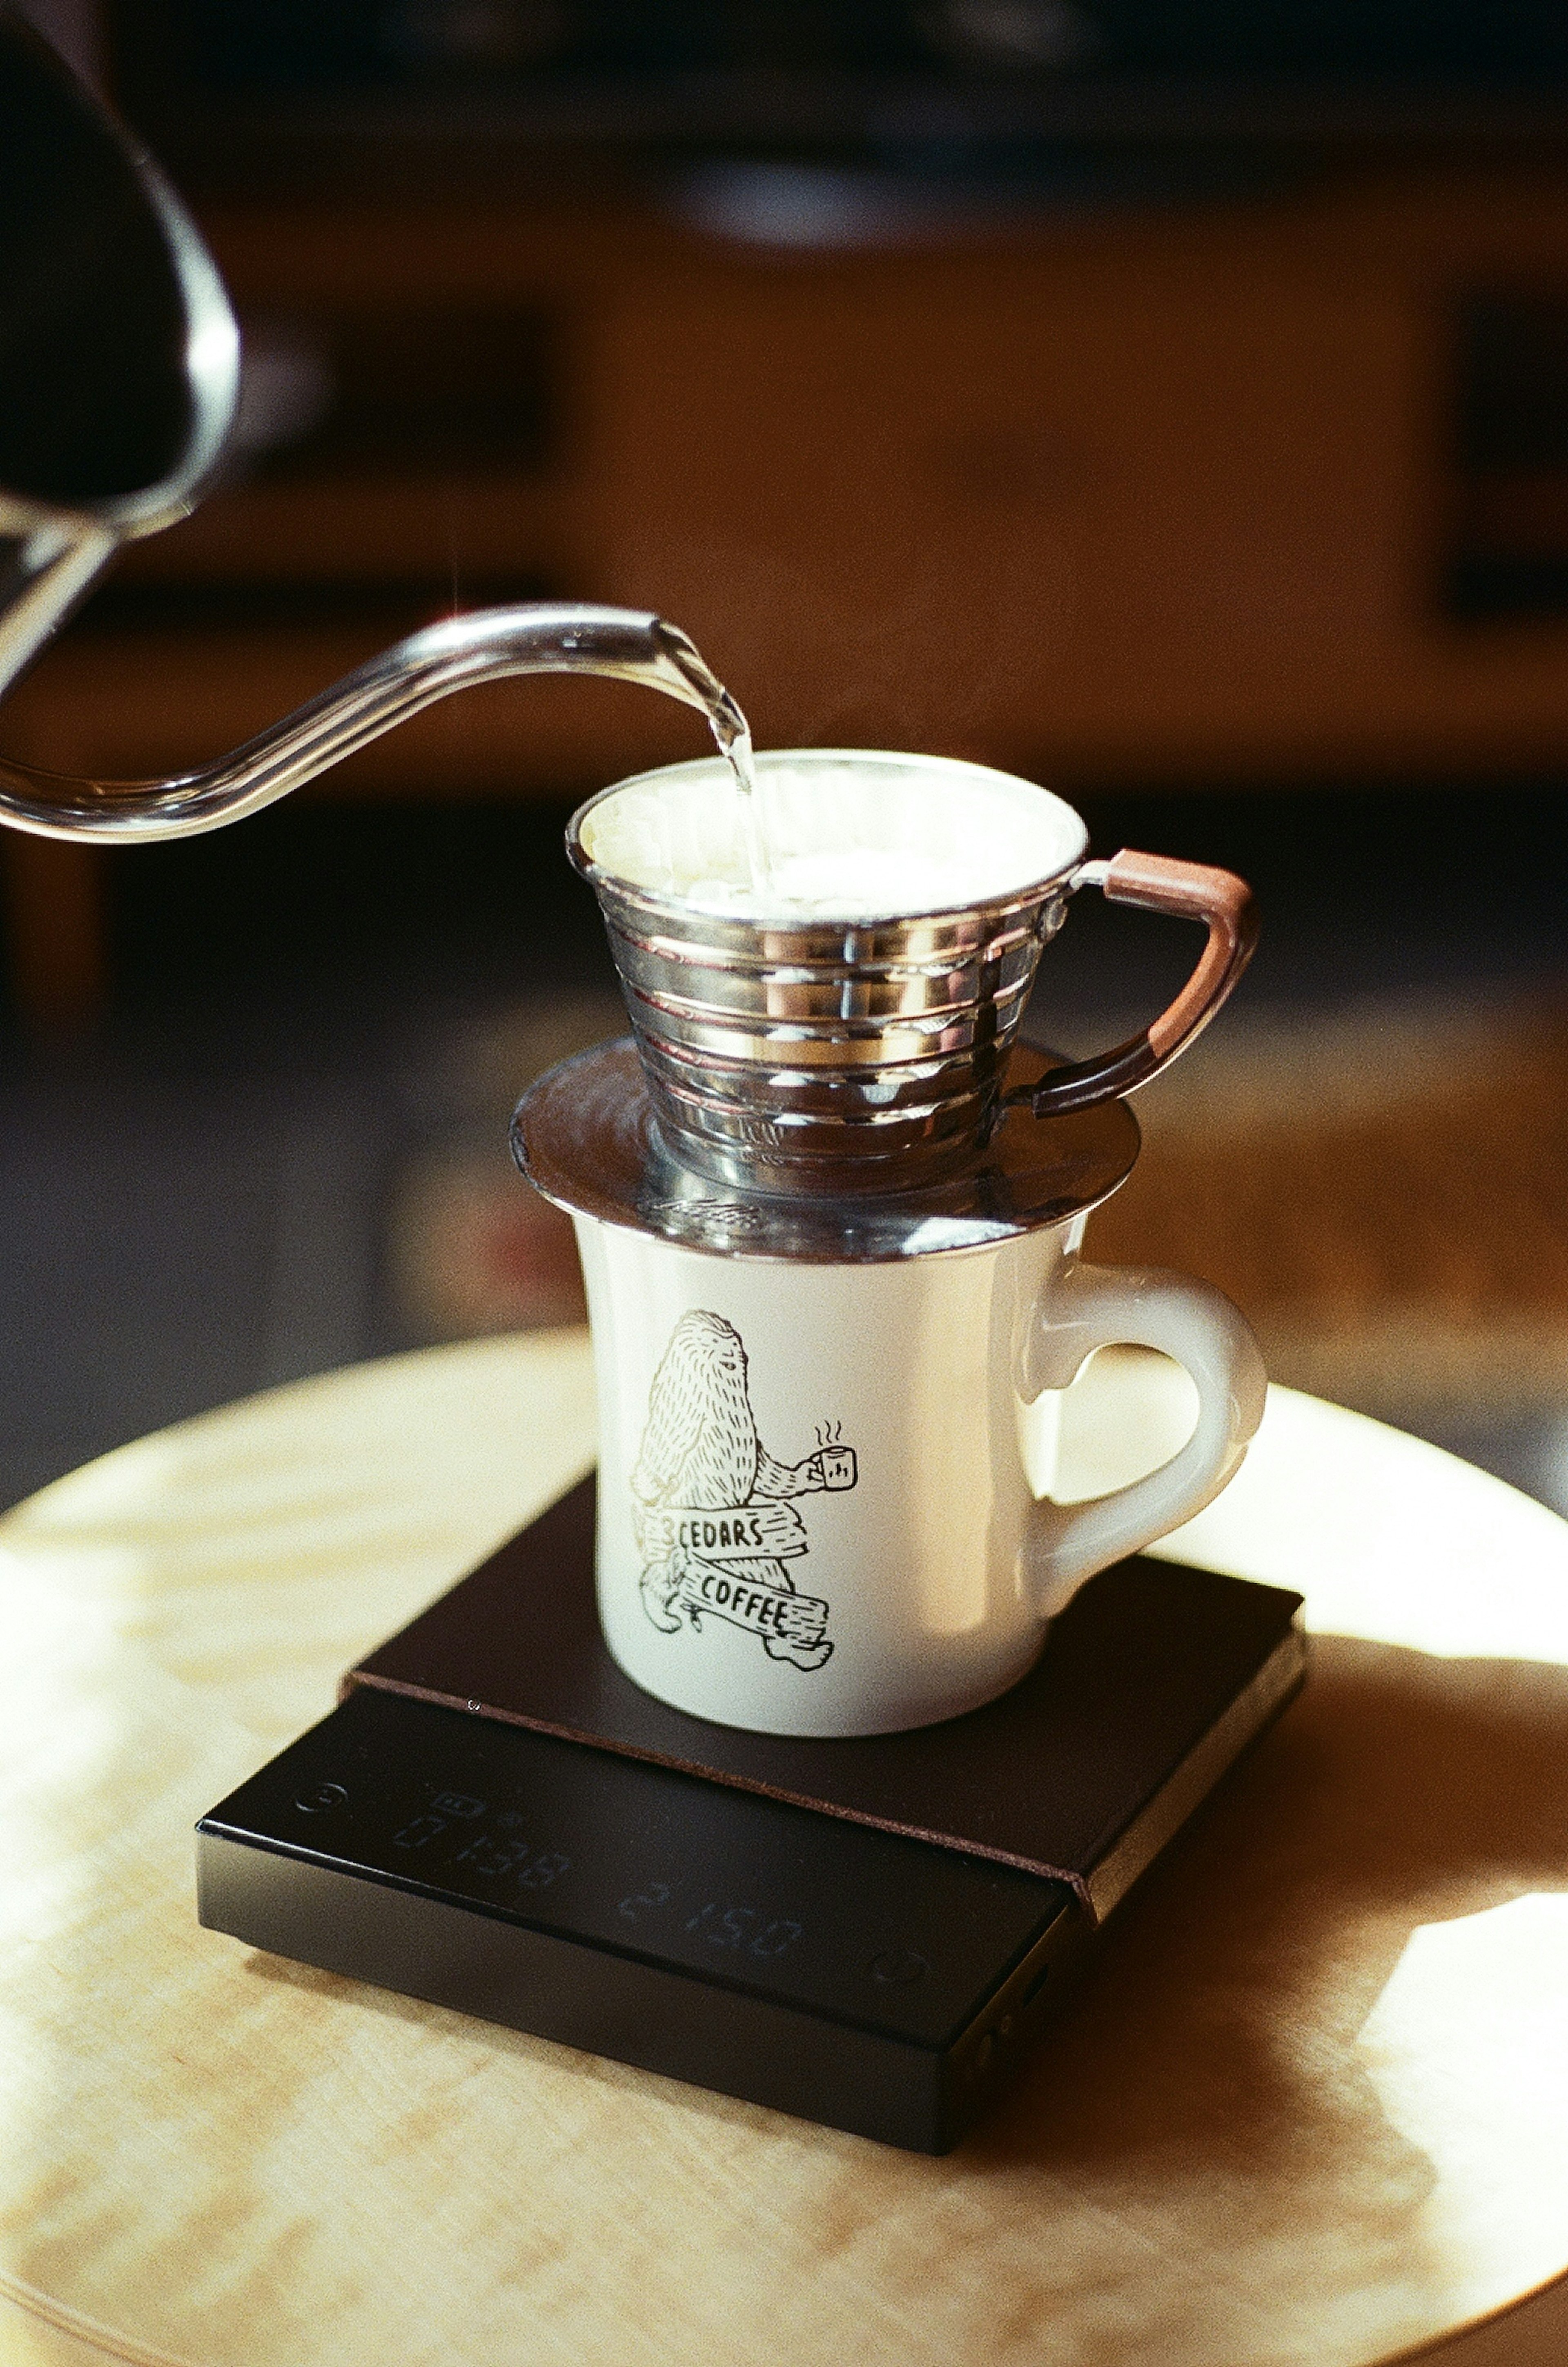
<point x="649" y="1914"/>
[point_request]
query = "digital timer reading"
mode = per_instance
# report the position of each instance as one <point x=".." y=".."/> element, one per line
<point x="491" y="1857"/>
<point x="423" y="1830"/>
<point x="534" y="1869"/>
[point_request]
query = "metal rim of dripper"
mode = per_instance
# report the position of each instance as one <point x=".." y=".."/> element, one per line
<point x="1060" y="877"/>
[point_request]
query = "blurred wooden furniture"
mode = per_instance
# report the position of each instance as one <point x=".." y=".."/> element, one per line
<point x="1146" y="495"/>
<point x="1309" y="2111"/>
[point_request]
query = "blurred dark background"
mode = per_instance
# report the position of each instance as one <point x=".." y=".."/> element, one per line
<point x="1167" y="402"/>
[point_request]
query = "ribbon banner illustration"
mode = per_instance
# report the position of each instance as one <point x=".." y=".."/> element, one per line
<point x="714" y="1512"/>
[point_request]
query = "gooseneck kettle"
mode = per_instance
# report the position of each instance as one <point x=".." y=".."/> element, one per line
<point x="120" y="363"/>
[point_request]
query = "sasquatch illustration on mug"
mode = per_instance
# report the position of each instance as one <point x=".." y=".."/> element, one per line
<point x="714" y="1511"/>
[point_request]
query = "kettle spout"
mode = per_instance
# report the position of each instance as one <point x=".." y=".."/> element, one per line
<point x="625" y="644"/>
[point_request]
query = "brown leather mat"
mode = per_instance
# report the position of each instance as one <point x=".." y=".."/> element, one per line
<point x="1152" y="1681"/>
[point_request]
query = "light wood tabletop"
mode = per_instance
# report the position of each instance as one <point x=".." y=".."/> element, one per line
<point x="1313" y="2107"/>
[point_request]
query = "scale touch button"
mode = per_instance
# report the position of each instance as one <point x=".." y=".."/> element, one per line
<point x="896" y="1967"/>
<point x="319" y="1798"/>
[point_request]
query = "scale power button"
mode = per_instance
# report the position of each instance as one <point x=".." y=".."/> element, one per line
<point x="896" y="1967"/>
<point x="319" y="1798"/>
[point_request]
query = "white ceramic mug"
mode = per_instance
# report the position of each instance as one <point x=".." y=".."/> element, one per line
<point x="822" y="1496"/>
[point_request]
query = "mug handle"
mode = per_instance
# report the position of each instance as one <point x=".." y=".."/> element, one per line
<point x="1192" y="892"/>
<point x="1091" y="1306"/>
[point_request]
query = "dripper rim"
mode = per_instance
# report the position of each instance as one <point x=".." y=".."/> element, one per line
<point x="1029" y="891"/>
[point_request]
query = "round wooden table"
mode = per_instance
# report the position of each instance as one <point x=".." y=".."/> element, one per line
<point x="1313" y="2108"/>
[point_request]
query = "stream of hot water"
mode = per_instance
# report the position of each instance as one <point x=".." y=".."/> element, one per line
<point x="833" y="834"/>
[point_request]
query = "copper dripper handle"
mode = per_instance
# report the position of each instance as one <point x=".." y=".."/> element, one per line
<point x="1190" y="891"/>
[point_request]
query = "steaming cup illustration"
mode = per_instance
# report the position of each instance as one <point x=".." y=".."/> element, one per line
<point x="836" y="1466"/>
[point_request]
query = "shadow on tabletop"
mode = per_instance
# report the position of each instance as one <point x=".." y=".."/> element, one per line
<point x="1209" y="2066"/>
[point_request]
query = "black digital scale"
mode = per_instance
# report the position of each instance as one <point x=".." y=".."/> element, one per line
<point x="866" y="1934"/>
